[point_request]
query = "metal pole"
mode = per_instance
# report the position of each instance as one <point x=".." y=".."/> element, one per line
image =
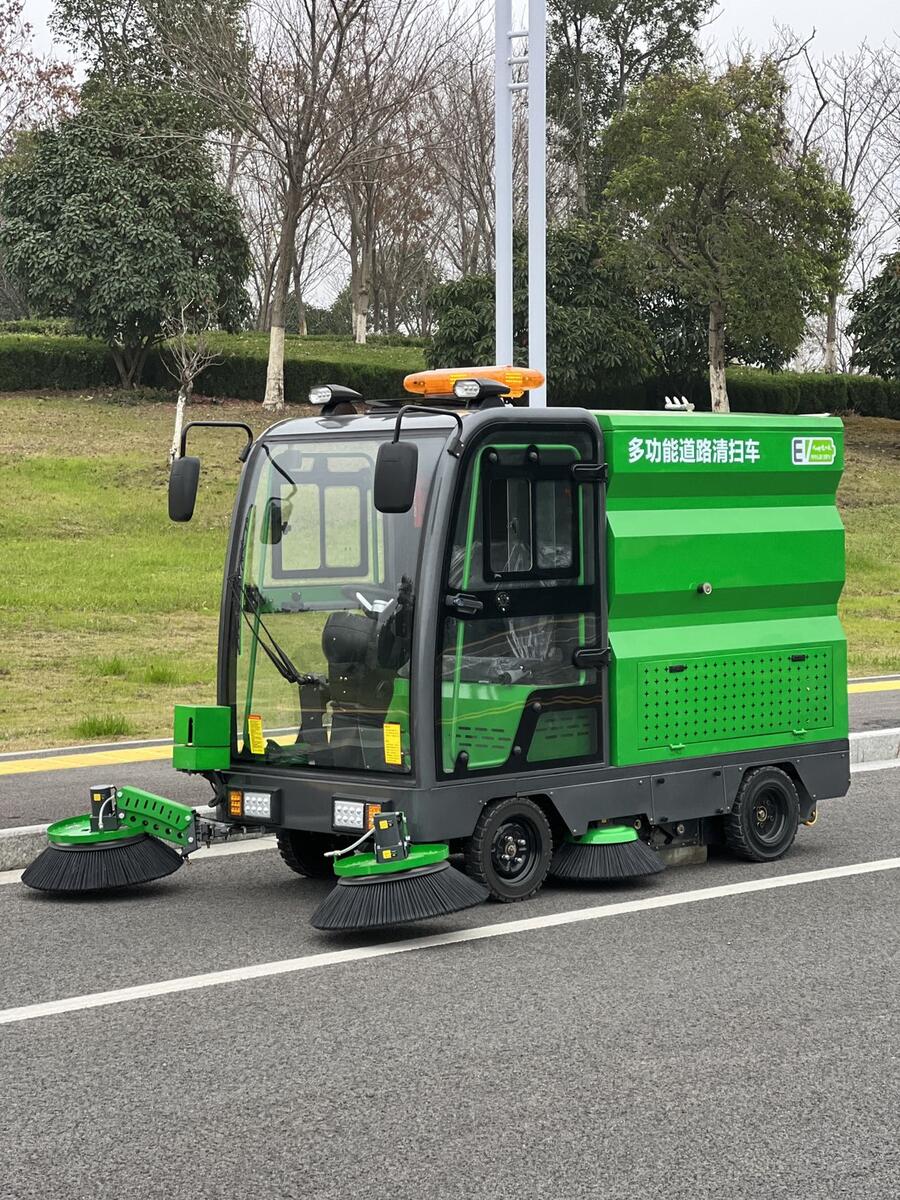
<point x="537" y="194"/>
<point x="503" y="182"/>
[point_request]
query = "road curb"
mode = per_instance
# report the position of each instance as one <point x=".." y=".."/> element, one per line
<point x="876" y="745"/>
<point x="18" y="846"/>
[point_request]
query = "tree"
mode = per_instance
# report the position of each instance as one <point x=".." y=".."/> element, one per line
<point x="875" y="325"/>
<point x="596" y="335"/>
<point x="35" y="90"/>
<point x="599" y="51"/>
<point x="116" y="219"/>
<point x="707" y="182"/>
<point x="186" y="355"/>
<point x="847" y="109"/>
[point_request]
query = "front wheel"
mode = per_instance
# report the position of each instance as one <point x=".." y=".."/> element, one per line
<point x="765" y="816"/>
<point x="303" y="852"/>
<point x="510" y="850"/>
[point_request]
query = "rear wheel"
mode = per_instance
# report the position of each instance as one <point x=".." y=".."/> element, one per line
<point x="765" y="816"/>
<point x="510" y="850"/>
<point x="303" y="852"/>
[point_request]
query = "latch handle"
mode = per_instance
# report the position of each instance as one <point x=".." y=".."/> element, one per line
<point x="464" y="606"/>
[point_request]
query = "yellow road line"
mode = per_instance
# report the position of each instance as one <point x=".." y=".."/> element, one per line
<point x="89" y="758"/>
<point x="131" y="754"/>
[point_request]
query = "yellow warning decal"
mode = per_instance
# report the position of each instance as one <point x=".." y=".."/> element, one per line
<point x="255" y="732"/>
<point x="392" y="752"/>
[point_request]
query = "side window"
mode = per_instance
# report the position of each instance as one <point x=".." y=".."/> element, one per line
<point x="531" y="528"/>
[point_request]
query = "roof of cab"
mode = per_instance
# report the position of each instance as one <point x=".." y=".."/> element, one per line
<point x="365" y="422"/>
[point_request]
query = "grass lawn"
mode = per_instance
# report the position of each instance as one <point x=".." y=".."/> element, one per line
<point x="108" y="612"/>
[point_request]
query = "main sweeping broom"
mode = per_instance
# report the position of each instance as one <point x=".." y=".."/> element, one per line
<point x="397" y="882"/>
<point x="605" y="852"/>
<point x="122" y="842"/>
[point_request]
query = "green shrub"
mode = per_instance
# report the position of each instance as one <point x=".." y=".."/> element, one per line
<point x="752" y="390"/>
<point x="110" y="725"/>
<point x="55" y="325"/>
<point x="33" y="362"/>
<point x="36" y="362"/>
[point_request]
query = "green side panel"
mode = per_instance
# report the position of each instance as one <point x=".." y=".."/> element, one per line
<point x="567" y="734"/>
<point x="746" y="504"/>
<point x="481" y="719"/>
<point x="202" y="737"/>
<point x="426" y="854"/>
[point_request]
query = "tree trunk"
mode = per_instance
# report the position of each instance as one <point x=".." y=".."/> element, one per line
<point x="274" y="397"/>
<point x="360" y="317"/>
<point x="831" y="333"/>
<point x="184" y="393"/>
<point x="717" y="389"/>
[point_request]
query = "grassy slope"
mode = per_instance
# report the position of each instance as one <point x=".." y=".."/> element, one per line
<point x="108" y="612"/>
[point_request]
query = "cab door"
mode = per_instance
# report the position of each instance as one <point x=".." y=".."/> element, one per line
<point x="523" y="643"/>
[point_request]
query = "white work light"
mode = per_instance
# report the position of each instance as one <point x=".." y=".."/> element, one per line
<point x="258" y="804"/>
<point x="348" y="814"/>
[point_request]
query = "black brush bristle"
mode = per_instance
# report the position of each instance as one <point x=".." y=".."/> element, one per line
<point x="102" y="867"/>
<point x="395" y="899"/>
<point x="621" y="860"/>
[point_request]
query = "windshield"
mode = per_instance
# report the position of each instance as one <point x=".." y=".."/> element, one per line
<point x="323" y="608"/>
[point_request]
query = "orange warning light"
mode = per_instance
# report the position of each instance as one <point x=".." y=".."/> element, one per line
<point x="441" y="381"/>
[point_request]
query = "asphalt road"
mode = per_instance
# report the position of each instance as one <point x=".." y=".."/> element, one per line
<point x="746" y="1046"/>
<point x="35" y="798"/>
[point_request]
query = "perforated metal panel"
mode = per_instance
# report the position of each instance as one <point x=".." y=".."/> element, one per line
<point x="731" y="696"/>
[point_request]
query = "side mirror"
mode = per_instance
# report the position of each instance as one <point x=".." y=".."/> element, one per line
<point x="395" y="476"/>
<point x="276" y="514"/>
<point x="183" y="479"/>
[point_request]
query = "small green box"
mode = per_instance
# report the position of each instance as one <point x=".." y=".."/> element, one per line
<point x="202" y="737"/>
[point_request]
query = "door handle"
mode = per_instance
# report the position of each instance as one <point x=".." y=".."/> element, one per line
<point x="463" y="605"/>
<point x="591" y="656"/>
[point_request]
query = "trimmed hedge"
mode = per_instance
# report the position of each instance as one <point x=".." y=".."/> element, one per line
<point x="37" y="362"/>
<point x="30" y="362"/>
<point x="751" y="390"/>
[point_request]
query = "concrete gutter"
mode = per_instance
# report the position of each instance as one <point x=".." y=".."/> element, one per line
<point x="877" y="750"/>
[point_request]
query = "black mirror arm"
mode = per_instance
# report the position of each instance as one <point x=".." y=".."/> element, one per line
<point x="454" y="446"/>
<point x="242" y="457"/>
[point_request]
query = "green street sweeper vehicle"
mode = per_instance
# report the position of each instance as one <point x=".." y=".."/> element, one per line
<point x="536" y="641"/>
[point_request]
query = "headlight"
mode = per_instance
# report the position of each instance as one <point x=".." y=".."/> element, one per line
<point x="258" y="804"/>
<point x="348" y="814"/>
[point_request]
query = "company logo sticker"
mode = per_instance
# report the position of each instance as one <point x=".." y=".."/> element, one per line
<point x="813" y="451"/>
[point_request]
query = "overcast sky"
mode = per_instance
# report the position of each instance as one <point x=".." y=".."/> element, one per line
<point x="839" y="25"/>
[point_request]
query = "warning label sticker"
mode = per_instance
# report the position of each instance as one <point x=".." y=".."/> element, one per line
<point x="255" y="733"/>
<point x="393" y="755"/>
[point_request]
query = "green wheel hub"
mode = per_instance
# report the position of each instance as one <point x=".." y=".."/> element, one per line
<point x="427" y="854"/>
<point x="606" y="835"/>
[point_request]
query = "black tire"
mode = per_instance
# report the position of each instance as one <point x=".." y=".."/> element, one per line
<point x="303" y="852"/>
<point x="763" y="821"/>
<point x="511" y="849"/>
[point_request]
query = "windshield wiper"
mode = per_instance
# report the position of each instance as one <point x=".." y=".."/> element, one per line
<point x="248" y="597"/>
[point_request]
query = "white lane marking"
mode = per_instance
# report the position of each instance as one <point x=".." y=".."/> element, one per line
<point x="219" y="850"/>
<point x="331" y="958"/>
